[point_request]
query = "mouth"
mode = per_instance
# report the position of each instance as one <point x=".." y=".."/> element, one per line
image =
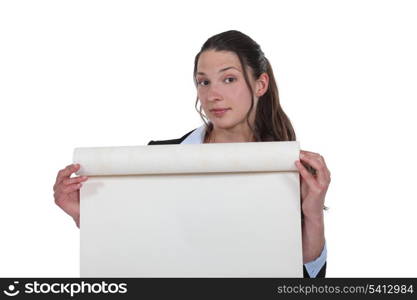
<point x="219" y="111"/>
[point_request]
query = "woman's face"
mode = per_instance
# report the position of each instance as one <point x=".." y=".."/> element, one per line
<point x="221" y="87"/>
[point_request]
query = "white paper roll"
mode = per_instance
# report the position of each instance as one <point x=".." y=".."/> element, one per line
<point x="183" y="159"/>
<point x="204" y="210"/>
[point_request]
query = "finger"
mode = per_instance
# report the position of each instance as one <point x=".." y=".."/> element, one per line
<point x="304" y="153"/>
<point x="60" y="177"/>
<point x="309" y="152"/>
<point x="312" y="154"/>
<point x="311" y="181"/>
<point x="62" y="170"/>
<point x="72" y="187"/>
<point x="322" y="160"/>
<point x="67" y="171"/>
<point x="309" y="168"/>
<point x="316" y="163"/>
<point x="78" y="179"/>
<point x="60" y="174"/>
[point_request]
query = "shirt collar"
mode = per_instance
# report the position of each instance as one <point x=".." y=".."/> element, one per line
<point x="196" y="137"/>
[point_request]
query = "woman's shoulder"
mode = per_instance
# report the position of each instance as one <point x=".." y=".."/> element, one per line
<point x="173" y="141"/>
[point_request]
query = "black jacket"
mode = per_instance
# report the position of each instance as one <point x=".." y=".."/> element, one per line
<point x="322" y="272"/>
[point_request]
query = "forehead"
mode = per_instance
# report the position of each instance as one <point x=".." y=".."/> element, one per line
<point x="212" y="61"/>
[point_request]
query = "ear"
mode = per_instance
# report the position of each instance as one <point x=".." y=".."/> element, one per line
<point x="261" y="85"/>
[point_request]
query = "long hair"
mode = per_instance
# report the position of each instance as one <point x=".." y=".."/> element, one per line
<point x="271" y="122"/>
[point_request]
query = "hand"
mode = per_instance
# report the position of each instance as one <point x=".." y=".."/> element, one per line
<point x="313" y="187"/>
<point x="313" y="191"/>
<point x="67" y="191"/>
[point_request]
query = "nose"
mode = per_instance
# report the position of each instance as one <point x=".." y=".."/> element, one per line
<point x="213" y="93"/>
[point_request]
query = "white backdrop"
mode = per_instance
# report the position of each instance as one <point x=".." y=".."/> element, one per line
<point x="346" y="72"/>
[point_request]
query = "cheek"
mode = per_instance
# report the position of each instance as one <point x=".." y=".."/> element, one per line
<point x="241" y="99"/>
<point x="202" y="98"/>
<point x="202" y="94"/>
<point x="203" y="102"/>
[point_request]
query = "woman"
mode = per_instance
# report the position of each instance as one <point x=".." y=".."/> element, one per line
<point x="239" y="98"/>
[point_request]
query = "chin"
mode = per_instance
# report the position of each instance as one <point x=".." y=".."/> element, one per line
<point x="223" y="124"/>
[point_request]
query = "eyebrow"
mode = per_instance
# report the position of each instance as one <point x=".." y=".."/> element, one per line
<point x="222" y="70"/>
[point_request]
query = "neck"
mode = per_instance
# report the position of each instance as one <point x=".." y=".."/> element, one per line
<point x="229" y="135"/>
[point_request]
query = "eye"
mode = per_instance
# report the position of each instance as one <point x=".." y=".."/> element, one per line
<point x="231" y="79"/>
<point x="202" y="82"/>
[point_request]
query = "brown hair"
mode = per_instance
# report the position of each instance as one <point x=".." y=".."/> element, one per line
<point x="271" y="122"/>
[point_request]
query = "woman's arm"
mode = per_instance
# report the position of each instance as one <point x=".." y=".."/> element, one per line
<point x="313" y="238"/>
<point x="314" y="185"/>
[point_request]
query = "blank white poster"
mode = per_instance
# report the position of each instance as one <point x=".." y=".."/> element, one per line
<point x="203" y="210"/>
